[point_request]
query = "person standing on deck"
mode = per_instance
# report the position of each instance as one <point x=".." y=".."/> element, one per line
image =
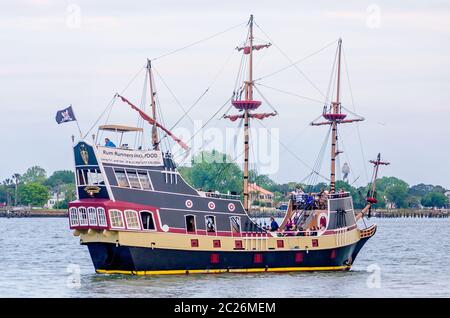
<point x="273" y="224"/>
<point x="109" y="143"/>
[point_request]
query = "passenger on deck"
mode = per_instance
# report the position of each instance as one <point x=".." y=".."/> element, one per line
<point x="109" y="143"/>
<point x="289" y="225"/>
<point x="273" y="224"/>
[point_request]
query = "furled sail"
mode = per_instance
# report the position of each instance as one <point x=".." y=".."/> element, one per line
<point x="151" y="121"/>
<point x="257" y="116"/>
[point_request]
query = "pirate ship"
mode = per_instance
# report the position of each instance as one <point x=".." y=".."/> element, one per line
<point x="137" y="215"/>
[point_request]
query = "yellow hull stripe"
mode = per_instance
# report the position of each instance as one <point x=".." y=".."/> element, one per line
<point x="231" y="270"/>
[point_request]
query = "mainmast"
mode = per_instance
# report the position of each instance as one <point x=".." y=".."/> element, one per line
<point x="247" y="105"/>
<point x="249" y="97"/>
<point x="155" y="140"/>
<point x="334" y="116"/>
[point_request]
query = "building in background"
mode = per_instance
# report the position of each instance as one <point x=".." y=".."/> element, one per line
<point x="260" y="196"/>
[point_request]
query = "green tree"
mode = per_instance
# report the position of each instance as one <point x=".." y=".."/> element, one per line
<point x="7" y="193"/>
<point x="60" y="177"/>
<point x="384" y="183"/>
<point x="34" y="174"/>
<point x="421" y="189"/>
<point x="412" y="202"/>
<point x="435" y="199"/>
<point x="213" y="171"/>
<point x="262" y="180"/>
<point x="33" y="193"/>
<point x="397" y="194"/>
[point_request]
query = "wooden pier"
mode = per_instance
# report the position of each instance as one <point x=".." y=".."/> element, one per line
<point x="410" y="213"/>
<point x="10" y="212"/>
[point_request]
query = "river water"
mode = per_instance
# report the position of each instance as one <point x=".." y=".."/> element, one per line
<point x="407" y="258"/>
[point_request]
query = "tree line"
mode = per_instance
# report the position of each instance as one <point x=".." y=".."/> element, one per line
<point x="214" y="171"/>
<point x="34" y="188"/>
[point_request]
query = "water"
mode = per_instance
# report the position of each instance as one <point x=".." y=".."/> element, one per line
<point x="38" y="257"/>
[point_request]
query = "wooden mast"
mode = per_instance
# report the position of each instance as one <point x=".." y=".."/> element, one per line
<point x="335" y="117"/>
<point x="371" y="196"/>
<point x="335" y="110"/>
<point x="249" y="97"/>
<point x="248" y="105"/>
<point x="155" y="140"/>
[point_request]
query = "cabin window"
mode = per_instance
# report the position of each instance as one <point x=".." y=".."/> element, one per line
<point x="122" y="180"/>
<point x="92" y="216"/>
<point x="94" y="177"/>
<point x="132" y="220"/>
<point x="147" y="220"/>
<point x="83" y="216"/>
<point x="133" y="178"/>
<point x="210" y="222"/>
<point x="116" y="218"/>
<point x="170" y="175"/>
<point x="190" y="223"/>
<point x="73" y="217"/>
<point x="145" y="180"/>
<point x="235" y="224"/>
<point x="90" y="177"/>
<point x="81" y="177"/>
<point x="101" y="217"/>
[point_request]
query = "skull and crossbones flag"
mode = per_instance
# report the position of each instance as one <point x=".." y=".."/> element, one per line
<point x="65" y="115"/>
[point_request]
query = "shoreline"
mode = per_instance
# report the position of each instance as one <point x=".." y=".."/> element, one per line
<point x="396" y="213"/>
<point x="33" y="213"/>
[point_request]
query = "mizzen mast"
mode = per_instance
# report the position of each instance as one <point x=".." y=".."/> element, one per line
<point x="155" y="139"/>
<point x="334" y="116"/>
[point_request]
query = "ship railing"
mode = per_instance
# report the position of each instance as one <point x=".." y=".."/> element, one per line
<point x="339" y="195"/>
<point x="298" y="233"/>
<point x="313" y="201"/>
<point x="222" y="195"/>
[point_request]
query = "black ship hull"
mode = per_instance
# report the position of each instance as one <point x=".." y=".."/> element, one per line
<point x="109" y="258"/>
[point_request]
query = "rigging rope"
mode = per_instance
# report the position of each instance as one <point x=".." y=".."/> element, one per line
<point x="173" y="95"/>
<point x="139" y="136"/>
<point x="289" y="93"/>
<point x="199" y="41"/>
<point x="290" y="61"/>
<point x="204" y="125"/>
<point x="319" y="160"/>
<point x="357" y="124"/>
<point x="328" y="97"/>
<point x="296" y="62"/>
<point x="111" y="103"/>
<point x="266" y="100"/>
<point x="206" y="90"/>
<point x="294" y="155"/>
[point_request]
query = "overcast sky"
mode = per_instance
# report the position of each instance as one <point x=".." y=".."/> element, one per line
<point x="56" y="53"/>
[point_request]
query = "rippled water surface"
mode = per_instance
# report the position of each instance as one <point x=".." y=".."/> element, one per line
<point x="39" y="256"/>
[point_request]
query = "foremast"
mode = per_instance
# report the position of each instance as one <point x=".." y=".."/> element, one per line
<point x="334" y="116"/>
<point x="155" y="139"/>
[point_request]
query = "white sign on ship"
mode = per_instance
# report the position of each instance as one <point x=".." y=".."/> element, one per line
<point x="109" y="155"/>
